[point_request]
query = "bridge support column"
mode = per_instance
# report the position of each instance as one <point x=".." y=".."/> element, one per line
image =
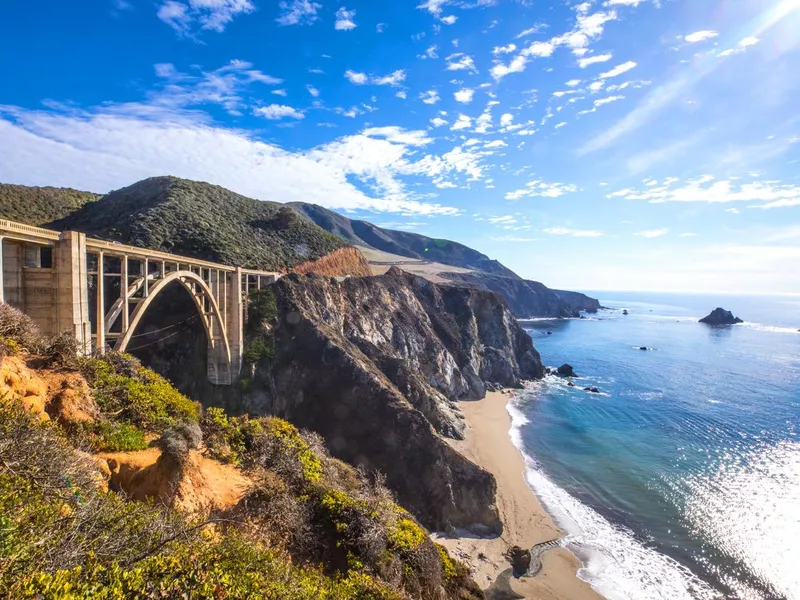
<point x="72" y="289"/>
<point x="235" y="318"/>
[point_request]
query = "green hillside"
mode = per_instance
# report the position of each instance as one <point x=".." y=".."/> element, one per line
<point x="40" y="205"/>
<point x="204" y="221"/>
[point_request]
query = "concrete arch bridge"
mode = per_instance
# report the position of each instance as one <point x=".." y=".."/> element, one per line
<point x="100" y="291"/>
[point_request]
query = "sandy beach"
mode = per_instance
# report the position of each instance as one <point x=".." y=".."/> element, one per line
<point x="525" y="521"/>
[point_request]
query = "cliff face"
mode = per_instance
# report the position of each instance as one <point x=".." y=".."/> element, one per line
<point x="528" y="299"/>
<point x="339" y="263"/>
<point x="374" y="365"/>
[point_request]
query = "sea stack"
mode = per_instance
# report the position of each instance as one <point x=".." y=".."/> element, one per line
<point x="720" y="316"/>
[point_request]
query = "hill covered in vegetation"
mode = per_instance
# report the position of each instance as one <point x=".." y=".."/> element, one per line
<point x="114" y="485"/>
<point x="204" y="221"/>
<point x="403" y="243"/>
<point x="41" y="205"/>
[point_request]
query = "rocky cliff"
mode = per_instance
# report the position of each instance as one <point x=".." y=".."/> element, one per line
<point x="375" y="364"/>
<point x="528" y="299"/>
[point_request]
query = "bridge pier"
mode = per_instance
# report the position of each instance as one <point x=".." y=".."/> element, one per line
<point x="72" y="289"/>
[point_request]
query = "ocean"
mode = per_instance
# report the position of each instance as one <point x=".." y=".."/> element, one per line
<point x="681" y="479"/>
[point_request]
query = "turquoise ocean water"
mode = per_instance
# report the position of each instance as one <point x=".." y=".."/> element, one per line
<point x="682" y="478"/>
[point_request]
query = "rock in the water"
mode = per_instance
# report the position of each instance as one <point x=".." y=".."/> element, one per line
<point x="720" y="316"/>
<point x="625" y="312"/>
<point x="570" y="384"/>
<point x="593" y="390"/>
<point x="566" y="371"/>
<point x="645" y="348"/>
<point x="520" y="560"/>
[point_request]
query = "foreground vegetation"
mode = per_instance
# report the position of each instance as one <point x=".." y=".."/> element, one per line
<point x="309" y="527"/>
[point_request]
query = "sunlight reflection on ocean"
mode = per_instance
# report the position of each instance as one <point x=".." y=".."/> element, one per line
<point x="682" y="479"/>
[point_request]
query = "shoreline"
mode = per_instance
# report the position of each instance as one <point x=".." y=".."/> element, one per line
<point x="525" y="522"/>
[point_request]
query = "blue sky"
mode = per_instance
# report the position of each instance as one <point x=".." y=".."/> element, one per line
<point x="613" y="144"/>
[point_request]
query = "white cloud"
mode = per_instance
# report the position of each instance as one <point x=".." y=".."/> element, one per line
<point x="213" y="15"/>
<point x="539" y="188"/>
<point x="430" y="97"/>
<point x="741" y="47"/>
<point x="313" y="91"/>
<point x="344" y="19"/>
<point x="560" y="125"/>
<point x="539" y="50"/>
<point x="433" y="6"/>
<point x="280" y="93"/>
<point x="502" y="220"/>
<point x="463" y="122"/>
<point x="115" y="145"/>
<point x="733" y="211"/>
<point x="276" y="112"/>
<point x="707" y="189"/>
<point x="517" y="65"/>
<point x="431" y="52"/>
<point x="583" y="233"/>
<point x="449" y="20"/>
<point x="464" y="95"/>
<point x="573" y="83"/>
<point x="504" y="49"/>
<point x="700" y="36"/>
<point x="393" y="79"/>
<point x="356" y="78"/>
<point x="438" y="122"/>
<point x="618" y="70"/>
<point x="652" y="233"/>
<point x="506" y="120"/>
<point x="633" y="3"/>
<point x="496" y="144"/>
<point x="297" y="12"/>
<point x="530" y="31"/>
<point x="600" y="102"/>
<point x="461" y="62"/>
<point x="592" y="60"/>
<point x="402" y="95"/>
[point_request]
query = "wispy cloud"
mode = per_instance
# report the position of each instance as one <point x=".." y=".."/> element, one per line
<point x="461" y="62"/>
<point x="297" y="12"/>
<point x="392" y="79"/>
<point x="344" y="19"/>
<point x="276" y="112"/>
<point x="769" y="194"/>
<point x="581" y="233"/>
<point x="700" y="36"/>
<point x="112" y="146"/>
<point x="593" y="60"/>
<point x="187" y="18"/>
<point x="538" y="187"/>
<point x="618" y="70"/>
<point x="652" y="233"/>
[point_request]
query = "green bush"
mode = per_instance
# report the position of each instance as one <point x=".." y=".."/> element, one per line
<point x="107" y="436"/>
<point x="135" y="394"/>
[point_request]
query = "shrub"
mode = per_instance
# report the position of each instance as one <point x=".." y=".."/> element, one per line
<point x="18" y="331"/>
<point x="106" y="436"/>
<point x="134" y="394"/>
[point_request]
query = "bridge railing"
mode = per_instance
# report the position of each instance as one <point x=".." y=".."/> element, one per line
<point x="26" y="232"/>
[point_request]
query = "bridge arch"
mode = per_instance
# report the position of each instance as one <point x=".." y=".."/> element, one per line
<point x="211" y="316"/>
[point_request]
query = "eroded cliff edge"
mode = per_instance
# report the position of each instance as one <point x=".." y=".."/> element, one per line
<point x="375" y="366"/>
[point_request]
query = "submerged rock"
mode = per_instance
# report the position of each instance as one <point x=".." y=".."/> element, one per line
<point x="566" y="371"/>
<point x="720" y="316"/>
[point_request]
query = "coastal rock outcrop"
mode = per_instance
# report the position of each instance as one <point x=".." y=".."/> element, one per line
<point x="720" y="316"/>
<point x="566" y="371"/>
<point x="375" y="365"/>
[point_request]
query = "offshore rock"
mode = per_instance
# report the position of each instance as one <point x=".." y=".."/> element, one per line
<point x="375" y="366"/>
<point x="566" y="371"/>
<point x="720" y="316"/>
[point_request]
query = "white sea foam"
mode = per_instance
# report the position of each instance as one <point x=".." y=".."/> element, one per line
<point x="615" y="563"/>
